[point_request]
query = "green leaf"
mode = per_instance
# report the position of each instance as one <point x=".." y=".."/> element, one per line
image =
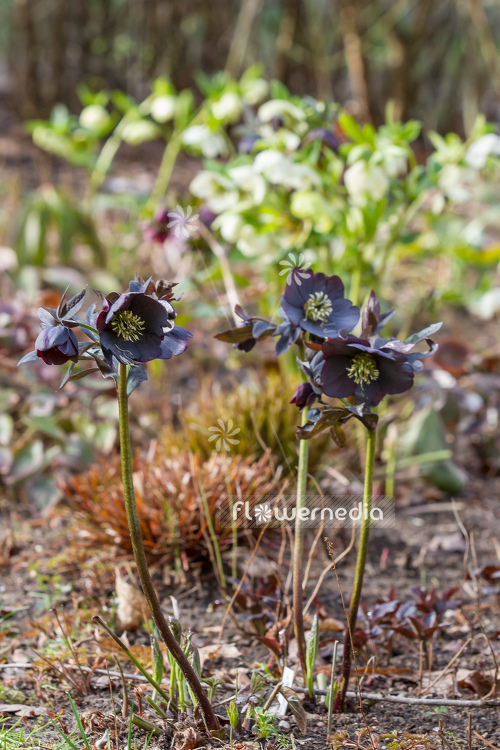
<point x="236" y="335"/>
<point x="46" y="425"/>
<point x="426" y="434"/>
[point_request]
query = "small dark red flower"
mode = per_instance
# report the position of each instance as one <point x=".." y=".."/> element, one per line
<point x="56" y="345"/>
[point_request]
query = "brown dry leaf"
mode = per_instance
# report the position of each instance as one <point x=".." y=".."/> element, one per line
<point x="296" y="707"/>
<point x="188" y="739"/>
<point x="447" y="542"/>
<point x="221" y="651"/>
<point x="472" y="679"/>
<point x="19" y="709"/>
<point x="131" y="604"/>
<point x="142" y="653"/>
<point x="400" y="673"/>
<point x="95" y="721"/>
<point x="330" y="623"/>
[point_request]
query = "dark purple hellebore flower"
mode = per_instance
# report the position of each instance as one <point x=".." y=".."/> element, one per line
<point x="305" y="395"/>
<point x="315" y="303"/>
<point x="326" y="136"/>
<point x="353" y="368"/>
<point x="135" y="327"/>
<point x="56" y="345"/>
<point x="157" y="230"/>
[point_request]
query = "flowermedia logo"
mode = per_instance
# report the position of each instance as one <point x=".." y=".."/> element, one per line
<point x="329" y="510"/>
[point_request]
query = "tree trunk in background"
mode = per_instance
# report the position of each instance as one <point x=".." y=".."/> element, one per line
<point x="350" y="13"/>
<point x="26" y="75"/>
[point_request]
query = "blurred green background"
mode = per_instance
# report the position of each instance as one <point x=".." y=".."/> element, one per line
<point x="439" y="61"/>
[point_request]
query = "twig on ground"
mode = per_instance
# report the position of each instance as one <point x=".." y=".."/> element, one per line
<point x="483" y="739"/>
<point x="445" y="670"/>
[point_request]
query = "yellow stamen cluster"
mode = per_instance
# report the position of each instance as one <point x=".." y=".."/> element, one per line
<point x="128" y="325"/>
<point x="363" y="369"/>
<point x="318" y="307"/>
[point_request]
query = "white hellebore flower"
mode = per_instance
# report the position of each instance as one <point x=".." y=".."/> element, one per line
<point x="211" y="144"/>
<point x="452" y="181"/>
<point x="365" y="182"/>
<point x="249" y="181"/>
<point x="478" y="152"/>
<point x="281" y="137"/>
<point x="163" y="108"/>
<point x="227" y="108"/>
<point x="288" y="112"/>
<point x="274" y="165"/>
<point x="393" y="158"/>
<point x="253" y="243"/>
<point x="254" y="91"/>
<point x="229" y="225"/>
<point x="218" y="192"/>
<point x="94" y="117"/>
<point x="279" y="169"/>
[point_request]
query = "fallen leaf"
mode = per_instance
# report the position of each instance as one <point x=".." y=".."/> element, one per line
<point x="475" y="681"/>
<point x="131" y="604"/>
<point x="19" y="709"/>
<point x="330" y="623"/>
<point x="221" y="651"/>
<point x="188" y="739"/>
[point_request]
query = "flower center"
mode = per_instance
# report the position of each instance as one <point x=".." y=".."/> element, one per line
<point x="128" y="325"/>
<point x="363" y="369"/>
<point x="318" y="307"/>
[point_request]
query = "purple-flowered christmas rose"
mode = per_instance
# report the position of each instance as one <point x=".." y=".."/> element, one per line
<point x="305" y="395"/>
<point x="136" y="327"/>
<point x="315" y="303"/>
<point x="56" y="345"/>
<point x="157" y="229"/>
<point x="324" y="135"/>
<point x="353" y="368"/>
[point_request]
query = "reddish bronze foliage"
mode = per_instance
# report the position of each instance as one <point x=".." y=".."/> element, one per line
<point x="169" y="499"/>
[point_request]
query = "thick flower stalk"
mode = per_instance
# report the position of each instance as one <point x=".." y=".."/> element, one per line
<point x="131" y="329"/>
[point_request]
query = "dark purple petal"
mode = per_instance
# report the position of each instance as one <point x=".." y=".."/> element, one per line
<point x="174" y="342"/>
<point x="334" y="347"/>
<point x="144" y="350"/>
<point x="335" y="381"/>
<point x="303" y="396"/>
<point x="246" y="346"/>
<point x="395" y="377"/>
<point x="151" y="311"/>
<point x="56" y="345"/>
<point x="123" y="302"/>
<point x="288" y="335"/>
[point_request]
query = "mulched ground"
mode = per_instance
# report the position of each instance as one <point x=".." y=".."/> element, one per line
<point x="426" y="546"/>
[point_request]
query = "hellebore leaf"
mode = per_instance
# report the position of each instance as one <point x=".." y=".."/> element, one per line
<point x="46" y="317"/>
<point x="426" y="434"/>
<point x="73" y="305"/>
<point x="319" y="420"/>
<point x="31" y="357"/>
<point x="236" y="335"/>
<point x="137" y="375"/>
<point x="83" y="373"/>
<point x="67" y="375"/>
<point x="424" y="334"/>
<point x="241" y="313"/>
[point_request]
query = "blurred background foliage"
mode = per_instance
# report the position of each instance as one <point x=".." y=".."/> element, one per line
<point x="356" y="136"/>
<point x="438" y="61"/>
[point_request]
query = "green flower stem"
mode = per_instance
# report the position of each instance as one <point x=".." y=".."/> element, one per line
<point x="141" y="563"/>
<point x="167" y="165"/>
<point x="298" y="594"/>
<point x="359" y="572"/>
